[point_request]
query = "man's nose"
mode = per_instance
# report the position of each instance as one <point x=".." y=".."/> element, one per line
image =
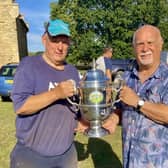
<point x="60" y="45"/>
<point x="145" y="47"/>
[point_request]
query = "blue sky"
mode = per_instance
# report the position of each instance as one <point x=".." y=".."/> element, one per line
<point x="35" y="14"/>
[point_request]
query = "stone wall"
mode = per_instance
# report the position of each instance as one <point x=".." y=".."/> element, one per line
<point x="10" y="32"/>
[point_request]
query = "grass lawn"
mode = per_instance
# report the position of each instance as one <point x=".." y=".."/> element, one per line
<point x="102" y="152"/>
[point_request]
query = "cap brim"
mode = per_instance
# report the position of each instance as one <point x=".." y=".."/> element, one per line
<point x="59" y="34"/>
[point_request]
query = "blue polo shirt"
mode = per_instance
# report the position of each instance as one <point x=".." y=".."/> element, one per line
<point x="49" y="132"/>
<point x="108" y="63"/>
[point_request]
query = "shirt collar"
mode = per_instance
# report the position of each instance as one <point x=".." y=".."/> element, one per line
<point x="157" y="73"/>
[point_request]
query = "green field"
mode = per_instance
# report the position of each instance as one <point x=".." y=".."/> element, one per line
<point x="92" y="152"/>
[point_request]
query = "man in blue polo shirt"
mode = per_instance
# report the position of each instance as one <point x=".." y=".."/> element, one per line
<point x="104" y="62"/>
<point x="45" y="120"/>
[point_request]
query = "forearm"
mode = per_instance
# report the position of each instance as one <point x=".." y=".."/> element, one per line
<point x="37" y="102"/>
<point x="108" y="74"/>
<point x="156" y="112"/>
<point x="116" y="116"/>
<point x="111" y="123"/>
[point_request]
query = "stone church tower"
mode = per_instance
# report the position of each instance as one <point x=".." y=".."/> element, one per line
<point x="13" y="30"/>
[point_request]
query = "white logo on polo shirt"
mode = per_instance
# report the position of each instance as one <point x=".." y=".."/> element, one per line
<point x="52" y="85"/>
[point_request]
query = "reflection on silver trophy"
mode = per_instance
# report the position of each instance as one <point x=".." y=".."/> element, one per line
<point x="97" y="100"/>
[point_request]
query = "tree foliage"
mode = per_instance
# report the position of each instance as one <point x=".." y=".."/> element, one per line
<point x="97" y="23"/>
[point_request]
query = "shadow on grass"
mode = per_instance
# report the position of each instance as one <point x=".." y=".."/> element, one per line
<point x="5" y="99"/>
<point x="100" y="151"/>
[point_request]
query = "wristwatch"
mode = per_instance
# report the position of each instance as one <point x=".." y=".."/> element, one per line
<point x="140" y="104"/>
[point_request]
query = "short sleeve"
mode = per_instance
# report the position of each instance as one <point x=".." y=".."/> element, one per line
<point x="23" y="86"/>
<point x="108" y="63"/>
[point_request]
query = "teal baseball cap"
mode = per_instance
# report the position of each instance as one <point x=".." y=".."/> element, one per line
<point x="58" y="27"/>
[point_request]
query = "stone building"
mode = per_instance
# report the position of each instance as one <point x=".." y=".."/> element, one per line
<point x="13" y="31"/>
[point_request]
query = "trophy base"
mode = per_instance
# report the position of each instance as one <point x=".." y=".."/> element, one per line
<point x="96" y="133"/>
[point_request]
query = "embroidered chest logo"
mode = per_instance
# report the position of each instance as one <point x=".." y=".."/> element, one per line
<point x="52" y="85"/>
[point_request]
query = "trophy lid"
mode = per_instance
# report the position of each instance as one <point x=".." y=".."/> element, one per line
<point x="95" y="74"/>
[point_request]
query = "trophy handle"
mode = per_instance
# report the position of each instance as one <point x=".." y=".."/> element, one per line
<point x="114" y="102"/>
<point x="119" y="82"/>
<point x="76" y="91"/>
<point x="74" y="104"/>
<point x="117" y="91"/>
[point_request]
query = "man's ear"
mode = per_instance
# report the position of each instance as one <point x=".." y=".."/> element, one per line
<point x="43" y="39"/>
<point x="161" y="44"/>
<point x="133" y="49"/>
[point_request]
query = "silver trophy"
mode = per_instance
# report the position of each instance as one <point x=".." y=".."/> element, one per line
<point x="97" y="100"/>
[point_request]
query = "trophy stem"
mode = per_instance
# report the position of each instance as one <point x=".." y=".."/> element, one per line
<point x="96" y="130"/>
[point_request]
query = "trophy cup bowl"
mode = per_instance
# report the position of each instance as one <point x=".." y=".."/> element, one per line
<point x="95" y="101"/>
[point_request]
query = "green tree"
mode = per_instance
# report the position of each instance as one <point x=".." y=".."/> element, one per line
<point x="97" y="23"/>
